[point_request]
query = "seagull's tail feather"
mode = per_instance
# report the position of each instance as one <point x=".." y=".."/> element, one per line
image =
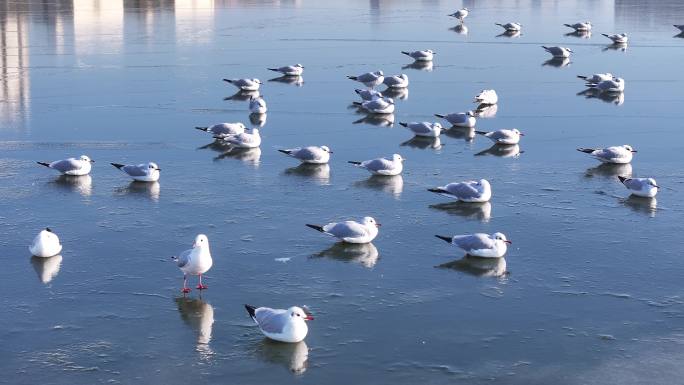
<point x="117" y="165"/>
<point x="44" y="164"/>
<point x="622" y="179"/>
<point x="437" y="190"/>
<point x="545" y="47"/>
<point x="606" y="35"/>
<point x="273" y="69"/>
<point x="445" y="239"/>
<point x="440" y="116"/>
<point x="582" y="77"/>
<point x="499" y="24"/>
<point x="354" y="163"/>
<point x="287" y="152"/>
<point x="586" y="150"/>
<point x="406" y="53"/>
<point x="228" y="80"/>
<point x="403" y="124"/>
<point x="357" y="103"/>
<point x="205" y="129"/>
<point x="352" y="77"/>
<point x="568" y="25"/>
<point x="358" y="91"/>
<point x="481" y="132"/>
<point x="252" y="311"/>
<point x="316" y="227"/>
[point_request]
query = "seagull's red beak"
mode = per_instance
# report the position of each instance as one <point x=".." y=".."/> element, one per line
<point x="377" y="225"/>
<point x="507" y="241"/>
<point x="308" y="317"/>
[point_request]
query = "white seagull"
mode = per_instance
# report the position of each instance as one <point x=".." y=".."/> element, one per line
<point x="614" y="154"/>
<point x="294" y="70"/>
<point x="369" y="79"/>
<point x="378" y="106"/>
<point x="195" y="261"/>
<point x="144" y="172"/>
<point x="460" y="14"/>
<point x="580" y="27"/>
<point x="382" y="166"/>
<point x="503" y="136"/>
<point x="612" y="85"/>
<point x="460" y="119"/>
<point x="468" y="191"/>
<point x="642" y="187"/>
<point x="510" y="27"/>
<point x="368" y="94"/>
<point x="351" y="231"/>
<point x="596" y="78"/>
<point x="45" y="244"/>
<point x="396" y="81"/>
<point x="71" y="166"/>
<point x="480" y="245"/>
<point x="245" y="84"/>
<point x="257" y="105"/>
<point x="311" y="154"/>
<point x="224" y="129"/>
<point x="245" y="140"/>
<point x="558" y="52"/>
<point x="280" y="324"/>
<point x="487" y="97"/>
<point x="618" y="38"/>
<point x="424" y="55"/>
<point x="426" y="129"/>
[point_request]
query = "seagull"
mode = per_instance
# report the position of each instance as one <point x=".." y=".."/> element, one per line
<point x="397" y="81"/>
<point x="378" y="106"/>
<point x="144" y="172"/>
<point x="468" y="191"/>
<point x="460" y="14"/>
<point x="612" y="85"/>
<point x="679" y="27"/>
<point x="244" y="140"/>
<point x="460" y="119"/>
<point x="257" y="105"/>
<point x="71" y="166"/>
<point x="504" y="136"/>
<point x="428" y="129"/>
<point x="224" y="129"/>
<point x="510" y="27"/>
<point x="368" y="94"/>
<point x="382" y="166"/>
<point x="195" y="261"/>
<point x="619" y="38"/>
<point x="351" y="231"/>
<point x="480" y="245"/>
<point x="582" y="26"/>
<point x="642" y="187"/>
<point x="614" y="154"/>
<point x="245" y="84"/>
<point x="596" y="78"/>
<point x="487" y="97"/>
<point x="295" y="70"/>
<point x="280" y="324"/>
<point x="311" y="154"/>
<point x="369" y="79"/>
<point x="425" y="55"/>
<point x="558" y="52"/>
<point x="45" y="244"/>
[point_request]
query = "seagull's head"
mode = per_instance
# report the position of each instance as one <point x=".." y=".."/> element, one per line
<point x="241" y="125"/>
<point x="431" y="51"/>
<point x="389" y="100"/>
<point x="501" y="237"/>
<point x="569" y="50"/>
<point x="201" y="240"/>
<point x="85" y="158"/>
<point x="299" y="65"/>
<point x="380" y="73"/>
<point x="47" y="235"/>
<point x="370" y="221"/>
<point x="397" y="158"/>
<point x="404" y="76"/>
<point x="629" y="148"/>
<point x="436" y="126"/>
<point x="326" y="149"/>
<point x="297" y="313"/>
<point x="257" y="81"/>
<point x="470" y="113"/>
<point x="651" y="182"/>
<point x="153" y="166"/>
<point x="465" y="9"/>
<point x="516" y="131"/>
<point x="484" y="183"/>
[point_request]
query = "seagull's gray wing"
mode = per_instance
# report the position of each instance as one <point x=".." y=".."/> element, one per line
<point x="307" y="153"/>
<point x="184" y="258"/>
<point x="222" y="129"/>
<point x="500" y="135"/>
<point x="271" y="320"/>
<point x="462" y="190"/>
<point x="634" y="183"/>
<point x="367" y="77"/>
<point x="421" y="128"/>
<point x="457" y="117"/>
<point x="66" y="165"/>
<point x="347" y="229"/>
<point x="378" y="164"/>
<point x="135" y="170"/>
<point x="473" y="242"/>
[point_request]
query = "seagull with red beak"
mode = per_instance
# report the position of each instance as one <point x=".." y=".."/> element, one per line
<point x="480" y="245"/>
<point x="195" y="261"/>
<point x="284" y="325"/>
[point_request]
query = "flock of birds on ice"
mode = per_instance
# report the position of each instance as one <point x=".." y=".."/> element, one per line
<point x="289" y="325"/>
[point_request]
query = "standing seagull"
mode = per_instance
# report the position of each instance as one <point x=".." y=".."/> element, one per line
<point x="195" y="261"/>
<point x="487" y="97"/>
<point x="618" y="38"/>
<point x="425" y="55"/>
<point x="144" y="172"/>
<point x="614" y="154"/>
<point x="460" y="14"/>
<point x="279" y="324"/>
<point x="426" y="129"/>
<point x="504" y="136"/>
<point x="311" y="154"/>
<point x="510" y="27"/>
<point x="558" y="52"/>
<point x="580" y="27"/>
<point x="245" y="84"/>
<point x="369" y="79"/>
<point x="295" y="70"/>
<point x="642" y="187"/>
<point x="224" y="129"/>
<point x="382" y="166"/>
<point x="45" y="244"/>
<point x="351" y="231"/>
<point x="71" y="166"/>
<point x="480" y="245"/>
<point x="468" y="191"/>
<point x="460" y="119"/>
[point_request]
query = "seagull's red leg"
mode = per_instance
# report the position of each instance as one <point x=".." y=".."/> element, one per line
<point x="200" y="286"/>
<point x="186" y="289"/>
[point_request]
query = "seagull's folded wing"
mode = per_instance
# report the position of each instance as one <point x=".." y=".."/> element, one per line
<point x="271" y="320"/>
